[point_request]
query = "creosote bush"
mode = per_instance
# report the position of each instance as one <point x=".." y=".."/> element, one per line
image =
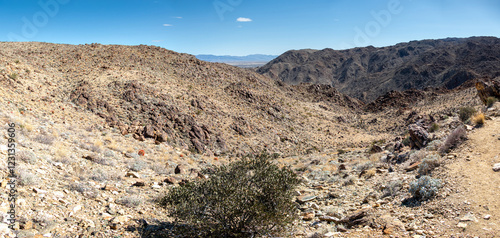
<point x="246" y="198"/>
<point x="428" y="164"/>
<point x="424" y="188"/>
<point x="453" y="139"/>
<point x="464" y="113"/>
<point x="490" y="101"/>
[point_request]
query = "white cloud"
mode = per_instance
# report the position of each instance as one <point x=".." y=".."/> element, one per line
<point x="243" y="19"/>
<point x="157" y="41"/>
<point x="178" y="17"/>
<point x="167" y="25"/>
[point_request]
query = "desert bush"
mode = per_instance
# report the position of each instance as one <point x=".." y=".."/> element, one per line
<point x="248" y="197"/>
<point x="27" y="156"/>
<point x="428" y="164"/>
<point x="424" y="188"/>
<point x="406" y="141"/>
<point x="392" y="188"/>
<point x="341" y="151"/>
<point x="160" y="168"/>
<point x="349" y="180"/>
<point x="434" y="127"/>
<point x="434" y="145"/>
<point x="464" y="113"/>
<point x="137" y="165"/>
<point x="478" y="119"/>
<point x="366" y="166"/>
<point x="453" y="139"/>
<point x="490" y="101"/>
<point x="102" y="175"/>
<point x="44" y="139"/>
<point x="417" y="155"/>
<point x="26" y="178"/>
<point x="85" y="189"/>
<point x="130" y="201"/>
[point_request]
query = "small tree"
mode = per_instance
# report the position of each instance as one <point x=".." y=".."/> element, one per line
<point x="245" y="198"/>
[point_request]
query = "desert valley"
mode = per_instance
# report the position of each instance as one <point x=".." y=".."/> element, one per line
<point x="396" y="141"/>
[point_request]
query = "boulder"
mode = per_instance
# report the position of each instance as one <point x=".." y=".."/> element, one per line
<point x="419" y="137"/>
<point x="488" y="88"/>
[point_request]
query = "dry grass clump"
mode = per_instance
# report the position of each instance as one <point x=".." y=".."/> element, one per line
<point x="44" y="139"/>
<point x="61" y="151"/>
<point x="479" y="119"/>
<point x="86" y="190"/>
<point x="130" y="201"/>
<point x="26" y="178"/>
<point x="27" y="156"/>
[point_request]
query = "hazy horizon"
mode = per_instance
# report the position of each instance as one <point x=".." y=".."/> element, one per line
<point x="240" y="28"/>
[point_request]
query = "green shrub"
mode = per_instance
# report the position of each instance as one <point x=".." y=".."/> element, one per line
<point x="434" y="127"/>
<point x="243" y="199"/>
<point x="490" y="101"/>
<point x="464" y="113"/>
<point x="341" y="151"/>
<point x="424" y="188"/>
<point x="406" y="141"/>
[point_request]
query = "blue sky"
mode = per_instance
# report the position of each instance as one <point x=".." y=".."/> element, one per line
<point x="242" y="27"/>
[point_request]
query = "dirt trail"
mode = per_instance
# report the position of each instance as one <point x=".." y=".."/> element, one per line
<point x="478" y="183"/>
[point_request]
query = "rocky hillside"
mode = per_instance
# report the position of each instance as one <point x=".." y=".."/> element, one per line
<point x="152" y="93"/>
<point x="103" y="131"/>
<point x="369" y="72"/>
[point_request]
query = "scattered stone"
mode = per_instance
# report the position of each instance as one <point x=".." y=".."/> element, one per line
<point x="428" y="216"/>
<point x="308" y="216"/>
<point x="468" y="217"/>
<point x="487" y="217"/>
<point x="391" y="224"/>
<point x="305" y="198"/>
<point x="375" y="149"/>
<point x="461" y="225"/>
<point x="155" y="186"/>
<point x="77" y="208"/>
<point x="170" y="180"/>
<point x="413" y="166"/>
<point x="40" y="191"/>
<point x="358" y="218"/>
<point x="109" y="187"/>
<point x="496" y="167"/>
<point x="179" y="170"/>
<point x="331" y="234"/>
<point x="139" y="183"/>
<point x="329" y="219"/>
<point x="132" y="174"/>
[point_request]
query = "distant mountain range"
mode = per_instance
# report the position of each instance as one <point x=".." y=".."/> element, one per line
<point x="369" y="72"/>
<point x="254" y="60"/>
